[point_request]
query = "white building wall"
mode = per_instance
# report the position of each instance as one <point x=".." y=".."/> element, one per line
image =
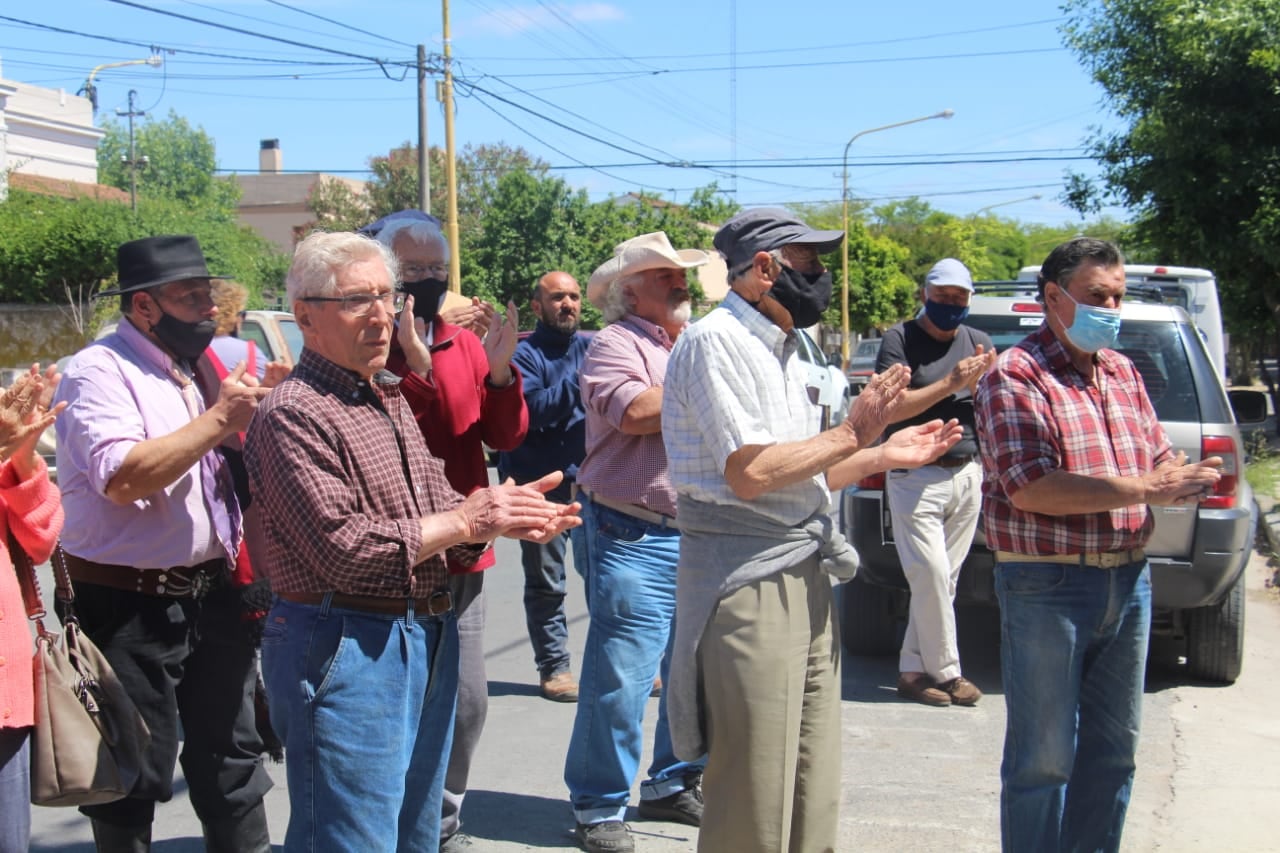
<point x="47" y="132"/>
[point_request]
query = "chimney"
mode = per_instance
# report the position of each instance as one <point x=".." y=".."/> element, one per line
<point x="270" y="160"/>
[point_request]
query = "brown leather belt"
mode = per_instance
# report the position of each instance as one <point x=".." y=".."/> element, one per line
<point x="434" y="604"/>
<point x="177" y="582"/>
<point x="638" y="512"/>
<point x="1103" y="560"/>
<point x="952" y="461"/>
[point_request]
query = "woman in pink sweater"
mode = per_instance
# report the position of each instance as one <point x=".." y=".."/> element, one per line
<point x="30" y="509"/>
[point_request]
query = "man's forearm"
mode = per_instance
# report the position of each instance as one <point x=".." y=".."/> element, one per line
<point x="756" y="470"/>
<point x="1064" y="493"/>
<point x="440" y="532"/>
<point x="917" y="401"/>
<point x="156" y="463"/>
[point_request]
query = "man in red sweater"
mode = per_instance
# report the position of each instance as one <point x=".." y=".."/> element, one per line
<point x="464" y="394"/>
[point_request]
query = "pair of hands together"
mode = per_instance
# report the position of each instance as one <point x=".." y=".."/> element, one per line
<point x="499" y="334"/>
<point x="519" y="512"/>
<point x="26" y="411"/>
<point x="877" y="406"/>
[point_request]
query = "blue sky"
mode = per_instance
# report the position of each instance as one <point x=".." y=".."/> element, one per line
<point x="764" y="107"/>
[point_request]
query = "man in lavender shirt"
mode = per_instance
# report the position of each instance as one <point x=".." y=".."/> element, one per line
<point x="152" y="527"/>
<point x="631" y="545"/>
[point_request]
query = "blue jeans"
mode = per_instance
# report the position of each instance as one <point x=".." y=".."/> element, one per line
<point x="15" y="789"/>
<point x="364" y="705"/>
<point x="544" y="591"/>
<point x="1073" y="654"/>
<point x="631" y="571"/>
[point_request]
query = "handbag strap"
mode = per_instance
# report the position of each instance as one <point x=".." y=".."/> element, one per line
<point x="28" y="581"/>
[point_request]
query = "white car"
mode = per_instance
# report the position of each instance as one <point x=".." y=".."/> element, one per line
<point x="826" y="383"/>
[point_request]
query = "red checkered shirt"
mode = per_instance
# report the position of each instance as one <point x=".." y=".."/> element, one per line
<point x="1035" y="414"/>
<point x="342" y="476"/>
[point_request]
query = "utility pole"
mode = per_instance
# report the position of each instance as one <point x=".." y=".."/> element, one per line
<point x="450" y="164"/>
<point x="424" y="176"/>
<point x="133" y="162"/>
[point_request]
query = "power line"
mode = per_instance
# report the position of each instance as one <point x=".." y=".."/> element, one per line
<point x="338" y="23"/>
<point x="267" y="21"/>
<point x="815" y="64"/>
<point x="381" y="63"/>
<point x="146" y="46"/>
<point x="764" y="51"/>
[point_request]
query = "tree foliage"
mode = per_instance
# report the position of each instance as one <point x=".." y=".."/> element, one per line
<point x="49" y="244"/>
<point x="181" y="162"/>
<point x="1196" y="84"/>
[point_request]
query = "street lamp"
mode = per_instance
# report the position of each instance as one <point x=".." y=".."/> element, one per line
<point x="91" y="92"/>
<point x="1035" y="197"/>
<point x="844" y="198"/>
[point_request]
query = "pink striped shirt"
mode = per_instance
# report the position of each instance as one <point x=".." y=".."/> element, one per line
<point x="625" y="359"/>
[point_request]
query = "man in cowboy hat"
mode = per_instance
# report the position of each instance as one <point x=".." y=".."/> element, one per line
<point x="631" y="545"/>
<point x="152" y="527"/>
<point x="756" y="682"/>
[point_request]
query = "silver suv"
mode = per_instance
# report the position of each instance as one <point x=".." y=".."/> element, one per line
<point x="1197" y="554"/>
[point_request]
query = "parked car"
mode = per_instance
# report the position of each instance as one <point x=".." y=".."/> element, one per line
<point x="274" y="333"/>
<point x="862" y="364"/>
<point x="1197" y="554"/>
<point x="827" y="386"/>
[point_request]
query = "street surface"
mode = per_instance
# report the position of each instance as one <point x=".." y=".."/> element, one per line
<point x="915" y="777"/>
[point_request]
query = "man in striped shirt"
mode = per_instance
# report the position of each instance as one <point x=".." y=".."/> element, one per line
<point x="1072" y="455"/>
<point x="631" y="544"/>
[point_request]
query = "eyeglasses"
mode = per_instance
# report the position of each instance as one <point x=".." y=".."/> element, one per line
<point x="361" y="304"/>
<point x="417" y="272"/>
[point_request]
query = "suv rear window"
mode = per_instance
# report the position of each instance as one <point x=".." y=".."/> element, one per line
<point x="1155" y="348"/>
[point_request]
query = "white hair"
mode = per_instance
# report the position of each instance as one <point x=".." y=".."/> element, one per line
<point x="616" y="299"/>
<point x="418" y="230"/>
<point x="318" y="258"/>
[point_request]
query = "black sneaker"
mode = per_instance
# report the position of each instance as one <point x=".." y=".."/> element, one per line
<point x="681" y="807"/>
<point x="609" y="836"/>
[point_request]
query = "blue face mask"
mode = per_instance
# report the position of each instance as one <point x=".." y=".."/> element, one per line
<point x="1094" y="328"/>
<point x="945" y="317"/>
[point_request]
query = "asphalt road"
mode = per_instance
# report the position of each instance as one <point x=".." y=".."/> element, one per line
<point x="915" y="778"/>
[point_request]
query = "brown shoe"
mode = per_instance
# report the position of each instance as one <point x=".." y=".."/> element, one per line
<point x="919" y="687"/>
<point x="962" y="691"/>
<point x="657" y="686"/>
<point x="560" y="687"/>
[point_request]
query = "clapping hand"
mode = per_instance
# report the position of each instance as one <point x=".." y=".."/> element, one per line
<point x="26" y="411"/>
<point x="874" y="408"/>
<point x="500" y="343"/>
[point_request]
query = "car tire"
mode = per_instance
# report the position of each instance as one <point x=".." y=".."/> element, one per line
<point x="868" y="618"/>
<point x="1215" y="637"/>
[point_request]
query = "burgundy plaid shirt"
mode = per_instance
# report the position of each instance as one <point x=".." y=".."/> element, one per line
<point x="1036" y="413"/>
<point x="342" y="476"/>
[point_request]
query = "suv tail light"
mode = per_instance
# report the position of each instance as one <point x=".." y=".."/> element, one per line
<point x="875" y="481"/>
<point x="1224" y="495"/>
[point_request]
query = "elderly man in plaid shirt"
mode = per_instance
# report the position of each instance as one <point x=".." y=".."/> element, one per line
<point x="360" y="650"/>
<point x="1072" y="455"/>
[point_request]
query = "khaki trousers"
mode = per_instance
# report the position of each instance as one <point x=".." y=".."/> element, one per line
<point x="770" y="665"/>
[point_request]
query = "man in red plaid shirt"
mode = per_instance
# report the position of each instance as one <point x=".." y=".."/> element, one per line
<point x="1073" y="455"/>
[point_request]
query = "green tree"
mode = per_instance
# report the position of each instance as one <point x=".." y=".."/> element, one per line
<point x="180" y="162"/>
<point x="1198" y="159"/>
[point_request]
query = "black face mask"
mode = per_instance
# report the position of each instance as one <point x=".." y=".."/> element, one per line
<point x="804" y="295"/>
<point x="426" y="295"/>
<point x="185" y="340"/>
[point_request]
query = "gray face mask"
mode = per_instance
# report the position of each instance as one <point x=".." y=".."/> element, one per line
<point x="805" y="296"/>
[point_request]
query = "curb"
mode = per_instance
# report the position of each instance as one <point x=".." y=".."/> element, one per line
<point x="1270" y="521"/>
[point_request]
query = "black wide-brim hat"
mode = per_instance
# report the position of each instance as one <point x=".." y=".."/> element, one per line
<point x="153" y="261"/>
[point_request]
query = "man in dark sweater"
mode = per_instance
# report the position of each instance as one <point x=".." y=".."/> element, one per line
<point x="935" y="507"/>
<point x="549" y="360"/>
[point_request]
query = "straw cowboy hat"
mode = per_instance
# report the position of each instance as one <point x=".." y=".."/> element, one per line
<point x="646" y="252"/>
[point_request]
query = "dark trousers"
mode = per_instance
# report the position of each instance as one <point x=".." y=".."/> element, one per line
<point x="191" y="664"/>
<point x="544" y="591"/>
